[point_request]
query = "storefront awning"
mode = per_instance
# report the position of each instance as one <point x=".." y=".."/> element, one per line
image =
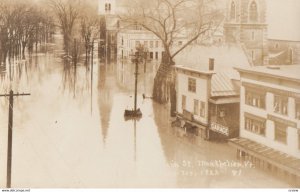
<point x="272" y="156"/>
<point x="226" y="100"/>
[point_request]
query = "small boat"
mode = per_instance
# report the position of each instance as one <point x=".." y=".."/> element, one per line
<point x="133" y="113"/>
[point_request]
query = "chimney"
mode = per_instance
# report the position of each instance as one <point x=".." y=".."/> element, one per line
<point x="211" y="64"/>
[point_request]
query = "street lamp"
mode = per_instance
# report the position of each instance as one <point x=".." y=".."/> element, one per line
<point x="135" y="58"/>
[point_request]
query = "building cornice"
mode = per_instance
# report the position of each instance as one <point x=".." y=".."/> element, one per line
<point x="266" y="74"/>
<point x="193" y="71"/>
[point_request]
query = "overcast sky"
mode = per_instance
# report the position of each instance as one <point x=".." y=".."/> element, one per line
<point x="284" y="19"/>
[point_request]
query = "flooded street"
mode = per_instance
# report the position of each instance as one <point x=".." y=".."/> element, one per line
<point x="71" y="133"/>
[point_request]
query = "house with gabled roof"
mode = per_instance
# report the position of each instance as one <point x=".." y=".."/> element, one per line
<point x="207" y="90"/>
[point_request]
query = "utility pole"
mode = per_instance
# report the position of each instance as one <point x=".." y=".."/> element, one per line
<point x="92" y="63"/>
<point x="11" y="96"/>
<point x="145" y="60"/>
<point x="136" y="79"/>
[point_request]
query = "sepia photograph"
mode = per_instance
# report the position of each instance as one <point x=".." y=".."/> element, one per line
<point x="164" y="94"/>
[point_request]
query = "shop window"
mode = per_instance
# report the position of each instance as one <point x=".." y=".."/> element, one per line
<point x="297" y="110"/>
<point x="280" y="132"/>
<point x="255" y="125"/>
<point x="183" y="102"/>
<point x="281" y="105"/>
<point x="255" y="98"/>
<point x="112" y="37"/>
<point x="196" y="107"/>
<point x="202" y="109"/>
<point x="192" y="85"/>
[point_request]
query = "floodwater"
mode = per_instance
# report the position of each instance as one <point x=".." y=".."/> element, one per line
<point x="71" y="133"/>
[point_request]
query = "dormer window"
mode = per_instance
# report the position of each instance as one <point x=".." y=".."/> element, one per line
<point x="232" y="11"/>
<point x="253" y="13"/>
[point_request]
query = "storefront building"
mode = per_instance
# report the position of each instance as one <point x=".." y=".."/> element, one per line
<point x="270" y="118"/>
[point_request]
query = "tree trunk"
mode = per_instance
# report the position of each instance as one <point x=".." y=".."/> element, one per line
<point x="23" y="51"/>
<point x="164" y="86"/>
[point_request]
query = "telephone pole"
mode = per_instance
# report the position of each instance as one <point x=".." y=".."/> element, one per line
<point x="92" y="64"/>
<point x="11" y="96"/>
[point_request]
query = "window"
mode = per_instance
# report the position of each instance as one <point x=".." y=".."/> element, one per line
<point x="298" y="139"/>
<point x="280" y="132"/>
<point x="192" y="85"/>
<point x="183" y="102"/>
<point x="151" y="44"/>
<point x="202" y="109"/>
<point x="255" y="124"/>
<point x="122" y="41"/>
<point x="253" y="14"/>
<point x="291" y="56"/>
<point x="232" y="10"/>
<point x="281" y="105"/>
<point x="196" y="107"/>
<point x="112" y="38"/>
<point x="107" y="6"/>
<point x="297" y="110"/>
<point x="253" y="55"/>
<point x="253" y="35"/>
<point x="151" y="55"/>
<point x="137" y="43"/>
<point x="156" y="55"/>
<point x="156" y="44"/>
<point x="146" y="43"/>
<point x="255" y="98"/>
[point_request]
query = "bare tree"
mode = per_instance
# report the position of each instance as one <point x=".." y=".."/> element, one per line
<point x="21" y="24"/>
<point x="67" y="12"/>
<point x="169" y="20"/>
<point x="88" y="28"/>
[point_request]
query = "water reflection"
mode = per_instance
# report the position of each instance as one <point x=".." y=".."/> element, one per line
<point x="105" y="98"/>
<point x="69" y="77"/>
<point x="62" y="144"/>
